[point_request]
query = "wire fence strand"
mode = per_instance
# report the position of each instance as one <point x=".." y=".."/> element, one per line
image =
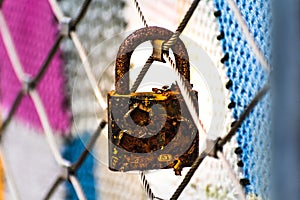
<point x="191" y="105"/>
<point x="77" y="187"/>
<point x="52" y="189"/>
<point x="188" y="176"/>
<point x="12" y="111"/>
<point x="81" y="13"/>
<point x="140" y="13"/>
<point x="47" y="128"/>
<point x="88" y="69"/>
<point x="142" y="74"/>
<point x="182" y="26"/>
<point x="47" y="61"/>
<point x="18" y="69"/>
<point x="231" y="133"/>
<point x="243" y="116"/>
<point x="10" y="47"/>
<point x="232" y="176"/>
<point x="89" y="146"/>
<point x="29" y="87"/>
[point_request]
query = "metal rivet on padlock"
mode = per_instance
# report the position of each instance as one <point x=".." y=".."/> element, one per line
<point x="134" y="117"/>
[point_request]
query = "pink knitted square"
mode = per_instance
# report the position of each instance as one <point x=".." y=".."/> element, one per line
<point x="34" y="30"/>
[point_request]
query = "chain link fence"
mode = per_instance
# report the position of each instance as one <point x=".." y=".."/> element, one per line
<point x="71" y="36"/>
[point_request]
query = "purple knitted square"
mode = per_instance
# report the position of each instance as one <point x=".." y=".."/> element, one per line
<point x="34" y="30"/>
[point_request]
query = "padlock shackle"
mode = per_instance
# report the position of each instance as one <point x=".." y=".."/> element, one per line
<point x="135" y="39"/>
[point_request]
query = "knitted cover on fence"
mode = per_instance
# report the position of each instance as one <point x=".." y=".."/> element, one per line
<point x="34" y="30"/>
<point x="248" y="76"/>
<point x="85" y="173"/>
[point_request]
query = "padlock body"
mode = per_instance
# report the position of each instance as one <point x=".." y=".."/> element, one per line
<point x="150" y="130"/>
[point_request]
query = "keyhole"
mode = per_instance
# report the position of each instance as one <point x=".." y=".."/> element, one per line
<point x="140" y="117"/>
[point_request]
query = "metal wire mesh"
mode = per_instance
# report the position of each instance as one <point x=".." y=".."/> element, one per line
<point x="217" y="151"/>
<point x="68" y="31"/>
<point x="68" y="27"/>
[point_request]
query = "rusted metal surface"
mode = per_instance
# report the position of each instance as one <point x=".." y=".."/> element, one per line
<point x="138" y="37"/>
<point x="150" y="130"/>
<point x="166" y="136"/>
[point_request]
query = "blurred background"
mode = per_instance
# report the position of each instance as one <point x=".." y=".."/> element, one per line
<point x="57" y="65"/>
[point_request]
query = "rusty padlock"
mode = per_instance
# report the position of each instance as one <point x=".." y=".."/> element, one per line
<point x="150" y="130"/>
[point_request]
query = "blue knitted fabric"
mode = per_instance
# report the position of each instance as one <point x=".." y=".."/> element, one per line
<point x="248" y="77"/>
<point x="85" y="173"/>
